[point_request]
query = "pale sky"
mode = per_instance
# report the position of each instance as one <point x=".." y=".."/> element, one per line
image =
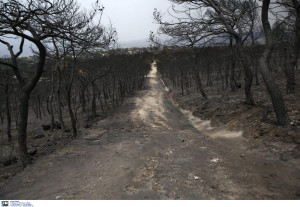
<point x="133" y="19"/>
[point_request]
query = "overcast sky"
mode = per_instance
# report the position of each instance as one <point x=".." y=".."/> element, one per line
<point x="133" y="19"/>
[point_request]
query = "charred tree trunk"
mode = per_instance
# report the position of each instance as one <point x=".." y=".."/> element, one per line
<point x="26" y="89"/>
<point x="101" y="103"/>
<point x="39" y="106"/>
<point x="226" y="75"/>
<point x="60" y="117"/>
<point x="256" y="75"/>
<point x="197" y="77"/>
<point x="233" y="83"/>
<point x="273" y="89"/>
<point x="51" y="100"/>
<point x="94" y="109"/>
<point x="70" y="110"/>
<point x="199" y="83"/>
<point x="248" y="75"/>
<point x="83" y="99"/>
<point x="290" y="69"/>
<point x="181" y="83"/>
<point x="22" y="127"/>
<point x="8" y="115"/>
<point x="1" y="117"/>
<point x="290" y="73"/>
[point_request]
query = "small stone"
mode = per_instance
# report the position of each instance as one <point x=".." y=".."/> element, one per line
<point x="215" y="160"/>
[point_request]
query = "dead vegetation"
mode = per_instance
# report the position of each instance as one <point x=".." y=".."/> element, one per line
<point x="258" y="123"/>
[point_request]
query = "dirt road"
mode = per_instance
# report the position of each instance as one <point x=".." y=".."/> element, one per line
<point x="151" y="149"/>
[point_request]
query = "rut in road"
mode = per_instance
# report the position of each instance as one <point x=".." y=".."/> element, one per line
<point x="152" y="149"/>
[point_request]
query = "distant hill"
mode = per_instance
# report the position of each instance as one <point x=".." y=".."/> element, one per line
<point x="135" y="43"/>
<point x="27" y="51"/>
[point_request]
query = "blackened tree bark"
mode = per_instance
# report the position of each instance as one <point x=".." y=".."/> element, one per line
<point x="51" y="99"/>
<point x="34" y="21"/>
<point x="22" y="126"/>
<point x="7" y="107"/>
<point x="236" y="18"/>
<point x="59" y="103"/>
<point x="233" y="83"/>
<point x="94" y="105"/>
<point x="26" y="89"/>
<point x="248" y="75"/>
<point x="8" y="115"/>
<point x="197" y="77"/>
<point x="272" y="87"/>
<point x="292" y="63"/>
<point x="71" y="113"/>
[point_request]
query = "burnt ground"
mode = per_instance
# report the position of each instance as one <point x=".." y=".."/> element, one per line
<point x="42" y="142"/>
<point x="258" y="123"/>
<point x="152" y="149"/>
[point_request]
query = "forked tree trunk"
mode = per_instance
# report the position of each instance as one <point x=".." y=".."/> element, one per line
<point x="26" y="89"/>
